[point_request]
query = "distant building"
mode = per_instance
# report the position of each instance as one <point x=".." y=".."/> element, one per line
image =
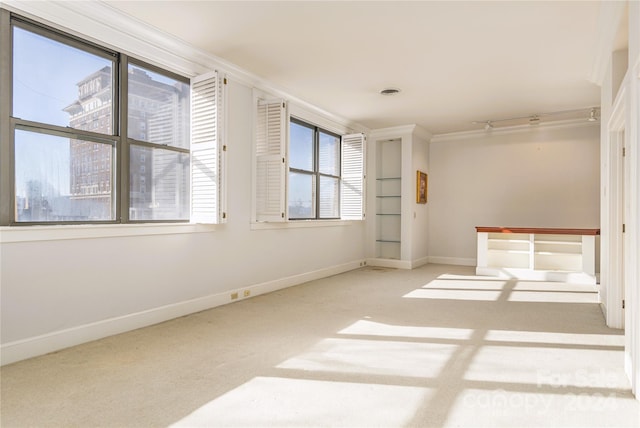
<point x="158" y="113"/>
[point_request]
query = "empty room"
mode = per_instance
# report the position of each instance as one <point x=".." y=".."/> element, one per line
<point x="319" y="213"/>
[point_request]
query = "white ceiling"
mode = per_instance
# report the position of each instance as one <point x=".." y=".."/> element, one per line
<point x="455" y="62"/>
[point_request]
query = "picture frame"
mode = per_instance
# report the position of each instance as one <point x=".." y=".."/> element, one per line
<point x="421" y="187"/>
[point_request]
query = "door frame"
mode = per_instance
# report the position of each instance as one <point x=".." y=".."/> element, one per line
<point x="614" y="199"/>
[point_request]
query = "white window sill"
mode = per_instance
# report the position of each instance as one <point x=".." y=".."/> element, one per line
<point x="89" y="231"/>
<point x="297" y="224"/>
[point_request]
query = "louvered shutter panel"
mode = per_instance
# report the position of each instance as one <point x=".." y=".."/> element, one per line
<point x="352" y="188"/>
<point x="270" y="160"/>
<point x="206" y="149"/>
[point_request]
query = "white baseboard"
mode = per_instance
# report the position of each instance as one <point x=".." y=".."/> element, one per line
<point x="39" y="345"/>
<point x="390" y="263"/>
<point x="603" y="308"/>
<point x="457" y="261"/>
<point x="412" y="264"/>
<point x="419" y="262"/>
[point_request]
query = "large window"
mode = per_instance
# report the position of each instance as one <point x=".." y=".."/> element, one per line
<point x="314" y="172"/>
<point x="93" y="135"/>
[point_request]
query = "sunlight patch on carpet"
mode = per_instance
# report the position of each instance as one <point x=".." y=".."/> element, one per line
<point x="278" y="401"/>
<point x="371" y="328"/>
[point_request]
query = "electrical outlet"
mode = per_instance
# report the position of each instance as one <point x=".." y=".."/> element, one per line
<point x="247" y="293"/>
<point x="234" y="296"/>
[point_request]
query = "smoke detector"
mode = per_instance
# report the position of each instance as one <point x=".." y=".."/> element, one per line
<point x="389" y="91"/>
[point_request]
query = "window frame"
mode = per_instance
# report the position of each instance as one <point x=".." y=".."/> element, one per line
<point x="118" y="138"/>
<point x="270" y="150"/>
<point x="130" y="142"/>
<point x="316" y="173"/>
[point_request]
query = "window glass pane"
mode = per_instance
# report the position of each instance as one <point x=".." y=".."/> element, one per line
<point x="62" y="179"/>
<point x="301" y="147"/>
<point x="158" y="108"/>
<point x="158" y="184"/>
<point x="61" y="85"/>
<point x="329" y="154"/>
<point x="329" y="197"/>
<point x="301" y="195"/>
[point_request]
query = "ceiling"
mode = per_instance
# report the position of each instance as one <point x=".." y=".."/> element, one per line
<point x="455" y="61"/>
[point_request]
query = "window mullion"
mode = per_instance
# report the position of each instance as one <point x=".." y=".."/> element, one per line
<point x="122" y="168"/>
<point x="134" y="142"/>
<point x="328" y="175"/>
<point x="62" y="131"/>
<point x="301" y="171"/>
<point x="316" y="168"/>
<point x="7" y="200"/>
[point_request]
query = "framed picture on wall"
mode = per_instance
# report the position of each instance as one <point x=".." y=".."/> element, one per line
<point x="421" y="188"/>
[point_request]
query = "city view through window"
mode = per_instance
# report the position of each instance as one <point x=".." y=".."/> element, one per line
<point x="67" y="137"/>
<point x="314" y="172"/>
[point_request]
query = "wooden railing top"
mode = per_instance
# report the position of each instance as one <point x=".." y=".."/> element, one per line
<point x="539" y="230"/>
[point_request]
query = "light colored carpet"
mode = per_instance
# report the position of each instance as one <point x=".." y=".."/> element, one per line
<point x="436" y="346"/>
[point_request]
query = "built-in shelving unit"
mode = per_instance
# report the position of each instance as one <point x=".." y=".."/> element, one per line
<point x="389" y="200"/>
<point x="537" y="253"/>
<point x="396" y="226"/>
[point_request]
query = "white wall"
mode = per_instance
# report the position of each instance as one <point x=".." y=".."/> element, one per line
<point x="632" y="335"/>
<point x="61" y="292"/>
<point x="420" y="226"/>
<point x="534" y="177"/>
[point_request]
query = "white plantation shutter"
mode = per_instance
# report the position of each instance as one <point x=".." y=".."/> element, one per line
<point x="270" y="152"/>
<point x="207" y="150"/>
<point x="352" y="188"/>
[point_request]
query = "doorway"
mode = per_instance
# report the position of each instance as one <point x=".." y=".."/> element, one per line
<point x="617" y="201"/>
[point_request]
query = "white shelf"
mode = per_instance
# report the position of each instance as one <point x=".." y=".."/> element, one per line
<point x="571" y="243"/>
<point x="388" y="200"/>
<point x="541" y="255"/>
<point x="496" y="251"/>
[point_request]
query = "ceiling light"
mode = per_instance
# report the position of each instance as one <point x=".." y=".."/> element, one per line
<point x="389" y="91"/>
<point x="534" y="119"/>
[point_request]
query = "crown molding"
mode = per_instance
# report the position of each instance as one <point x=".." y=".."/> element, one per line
<point x="105" y="25"/>
<point x="396" y="131"/>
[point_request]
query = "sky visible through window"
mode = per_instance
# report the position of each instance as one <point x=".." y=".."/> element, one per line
<point x="46" y="74"/>
<point x="301" y="186"/>
<point x="45" y="78"/>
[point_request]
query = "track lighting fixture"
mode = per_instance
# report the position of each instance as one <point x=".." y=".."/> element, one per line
<point x="534" y="119"/>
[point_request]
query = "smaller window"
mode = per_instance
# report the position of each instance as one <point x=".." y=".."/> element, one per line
<point x="314" y="172"/>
